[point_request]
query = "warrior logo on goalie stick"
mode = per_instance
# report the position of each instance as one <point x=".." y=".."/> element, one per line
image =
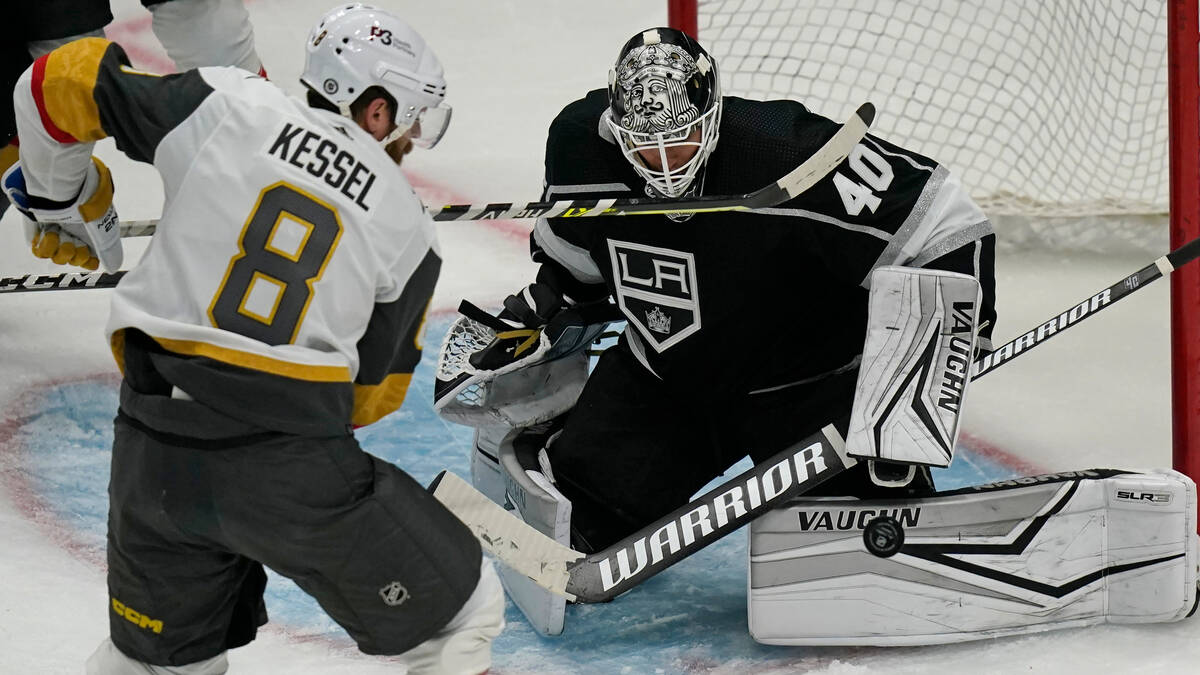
<point x="765" y="488"/>
<point x="656" y="290"/>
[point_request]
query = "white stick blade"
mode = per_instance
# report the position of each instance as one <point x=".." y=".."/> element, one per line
<point x="507" y="537"/>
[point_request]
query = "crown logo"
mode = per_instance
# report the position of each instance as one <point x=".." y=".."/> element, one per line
<point x="658" y="321"/>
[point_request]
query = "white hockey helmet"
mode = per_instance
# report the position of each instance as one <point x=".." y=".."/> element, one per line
<point x="664" y="93"/>
<point x="356" y="46"/>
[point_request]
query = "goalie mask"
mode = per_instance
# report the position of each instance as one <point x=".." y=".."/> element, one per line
<point x="357" y="46"/>
<point x="665" y="108"/>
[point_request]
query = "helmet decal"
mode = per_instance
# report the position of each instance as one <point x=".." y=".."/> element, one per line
<point x="357" y="46"/>
<point x="651" y="79"/>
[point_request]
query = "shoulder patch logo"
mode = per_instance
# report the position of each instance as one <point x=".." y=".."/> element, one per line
<point x="656" y="290"/>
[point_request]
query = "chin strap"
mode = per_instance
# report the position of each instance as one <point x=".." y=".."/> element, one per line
<point x="395" y="134"/>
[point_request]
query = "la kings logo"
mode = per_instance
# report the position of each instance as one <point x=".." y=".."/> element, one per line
<point x="656" y="289"/>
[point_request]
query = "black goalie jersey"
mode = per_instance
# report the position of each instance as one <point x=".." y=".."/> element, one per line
<point x="739" y="302"/>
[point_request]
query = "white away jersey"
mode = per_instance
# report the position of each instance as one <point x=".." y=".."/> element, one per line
<point x="290" y="245"/>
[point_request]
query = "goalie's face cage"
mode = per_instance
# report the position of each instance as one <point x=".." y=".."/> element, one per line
<point x="664" y="108"/>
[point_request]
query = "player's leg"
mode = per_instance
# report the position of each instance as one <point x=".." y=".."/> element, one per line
<point x="178" y="600"/>
<point x="199" y="33"/>
<point x="381" y="555"/>
<point x="630" y="451"/>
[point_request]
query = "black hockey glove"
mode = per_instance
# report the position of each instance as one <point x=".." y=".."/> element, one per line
<point x="532" y="306"/>
<point x="525" y="314"/>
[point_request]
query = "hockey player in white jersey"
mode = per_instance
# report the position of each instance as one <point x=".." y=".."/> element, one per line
<point x="279" y="305"/>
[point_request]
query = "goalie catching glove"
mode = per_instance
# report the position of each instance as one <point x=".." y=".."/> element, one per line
<point x="83" y="232"/>
<point x="524" y="316"/>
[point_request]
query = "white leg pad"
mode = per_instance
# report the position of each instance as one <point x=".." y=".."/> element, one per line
<point x="1022" y="556"/>
<point x="485" y="463"/>
<point x="543" y="507"/>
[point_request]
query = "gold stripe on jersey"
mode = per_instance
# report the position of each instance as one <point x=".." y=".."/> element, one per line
<point x="266" y="364"/>
<point x="117" y="344"/>
<point x="68" y="84"/>
<point x="373" y="401"/>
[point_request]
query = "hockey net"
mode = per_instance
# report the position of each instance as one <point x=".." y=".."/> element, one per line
<point x="1054" y="114"/>
<point x="1074" y="123"/>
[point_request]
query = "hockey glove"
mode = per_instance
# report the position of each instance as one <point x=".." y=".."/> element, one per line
<point x="525" y="314"/>
<point x="84" y="232"/>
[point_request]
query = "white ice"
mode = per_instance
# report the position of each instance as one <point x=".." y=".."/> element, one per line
<point x="1096" y="396"/>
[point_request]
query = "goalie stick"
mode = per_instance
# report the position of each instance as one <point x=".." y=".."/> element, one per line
<point x="604" y="575"/>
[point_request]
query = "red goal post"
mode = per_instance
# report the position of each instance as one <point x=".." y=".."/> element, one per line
<point x="953" y="90"/>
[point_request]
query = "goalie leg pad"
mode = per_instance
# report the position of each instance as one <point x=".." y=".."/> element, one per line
<point x="542" y="506"/>
<point x="1022" y="556"/>
<point x="485" y="461"/>
<point x="915" y="365"/>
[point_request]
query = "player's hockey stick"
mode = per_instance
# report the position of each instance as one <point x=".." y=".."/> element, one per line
<point x="59" y="282"/>
<point x="808" y="173"/>
<point x="825" y="159"/>
<point x="812" y="170"/>
<point x="798" y="469"/>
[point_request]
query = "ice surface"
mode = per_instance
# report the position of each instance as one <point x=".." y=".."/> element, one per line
<point x="1096" y="396"/>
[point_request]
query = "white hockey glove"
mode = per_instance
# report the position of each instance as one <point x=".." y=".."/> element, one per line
<point x="84" y="232"/>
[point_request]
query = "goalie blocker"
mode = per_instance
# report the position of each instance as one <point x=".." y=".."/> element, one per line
<point x="915" y="365"/>
<point x="1019" y="556"/>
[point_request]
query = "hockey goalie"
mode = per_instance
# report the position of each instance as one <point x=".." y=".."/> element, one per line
<point x="925" y="567"/>
<point x="857" y="307"/>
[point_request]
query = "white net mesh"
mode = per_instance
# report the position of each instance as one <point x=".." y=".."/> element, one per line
<point x="1044" y="108"/>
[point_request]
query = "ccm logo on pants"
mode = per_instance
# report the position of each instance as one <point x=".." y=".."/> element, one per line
<point x="135" y="617"/>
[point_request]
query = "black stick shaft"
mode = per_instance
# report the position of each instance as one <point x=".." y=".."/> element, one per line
<point x="1088" y="307"/>
<point x="66" y="281"/>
